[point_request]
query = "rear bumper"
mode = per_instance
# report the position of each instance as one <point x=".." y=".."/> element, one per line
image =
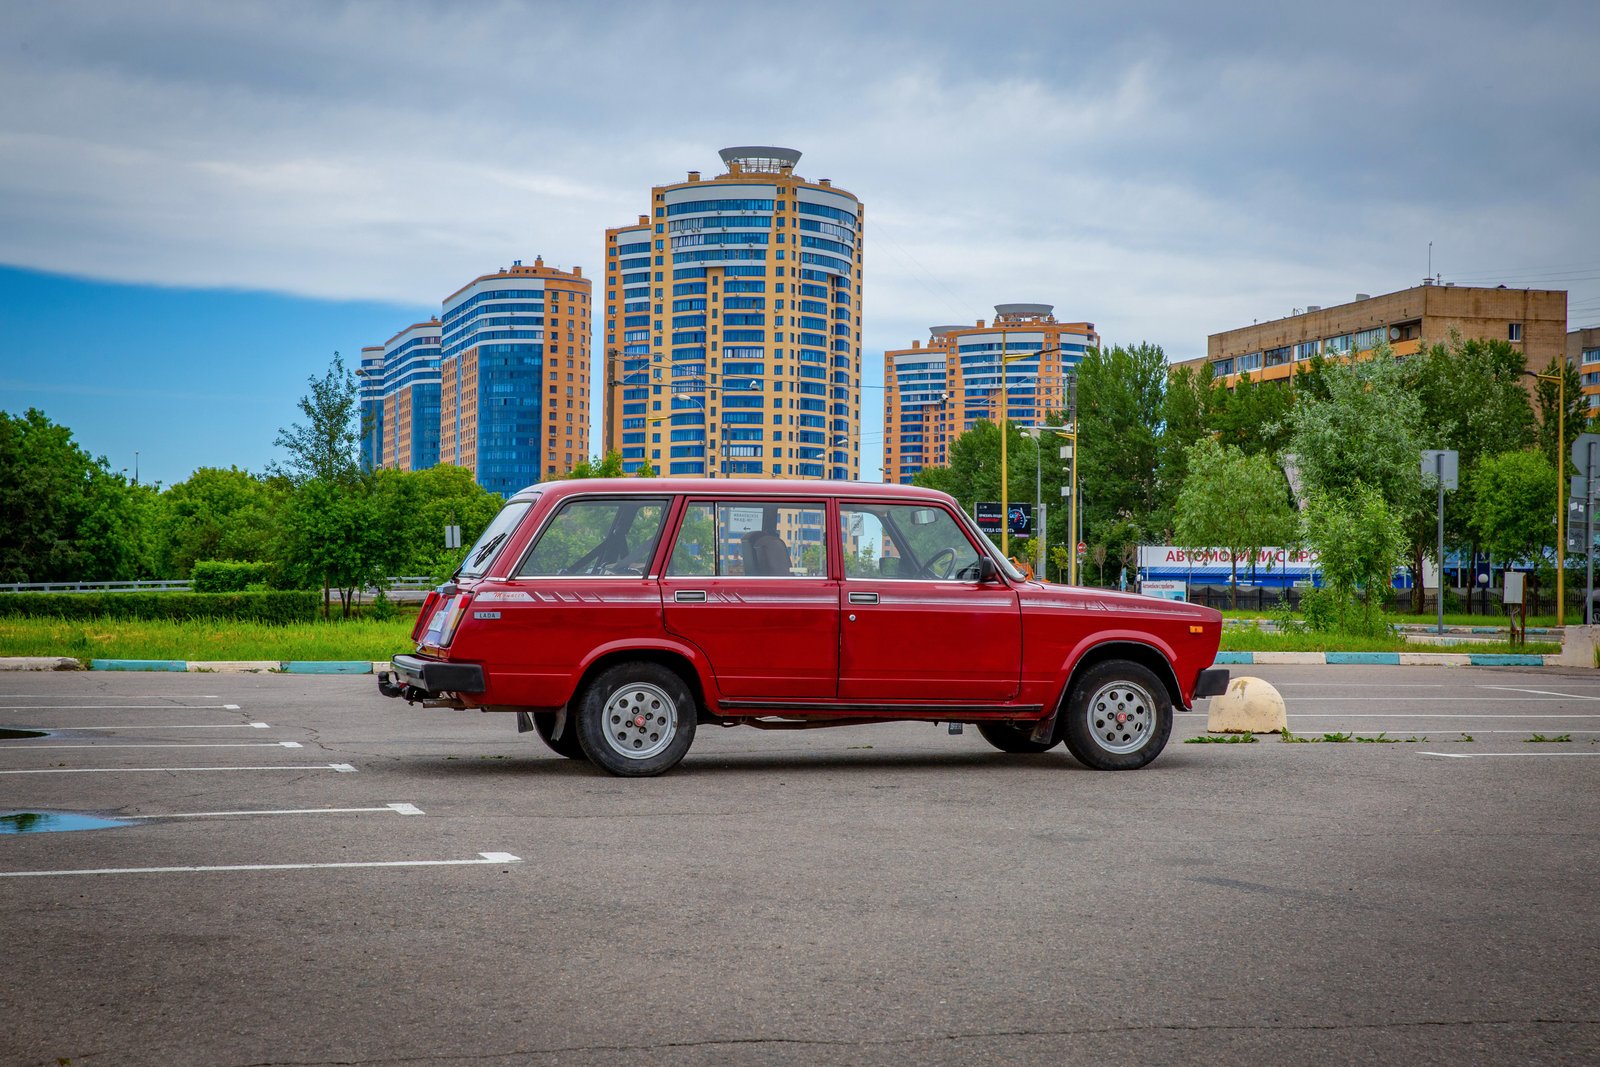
<point x="433" y="676"/>
<point x="1213" y="682"/>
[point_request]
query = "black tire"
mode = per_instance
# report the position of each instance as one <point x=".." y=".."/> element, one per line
<point x="1095" y="734"/>
<point x="636" y="719"/>
<point x="544" y="724"/>
<point x="1008" y="738"/>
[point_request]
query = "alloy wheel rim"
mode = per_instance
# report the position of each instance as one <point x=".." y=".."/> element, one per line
<point x="640" y="720"/>
<point x="1121" y="717"/>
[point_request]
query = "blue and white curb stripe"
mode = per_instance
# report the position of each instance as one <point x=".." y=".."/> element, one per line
<point x="1388" y="659"/>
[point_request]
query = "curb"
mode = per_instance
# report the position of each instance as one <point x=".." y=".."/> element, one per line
<point x="1389" y="659"/>
<point x="138" y="665"/>
<point x="39" y="663"/>
<point x="356" y="666"/>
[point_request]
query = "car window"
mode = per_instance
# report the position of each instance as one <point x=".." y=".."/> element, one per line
<point x="482" y="553"/>
<point x="597" y="538"/>
<point x="905" y="542"/>
<point x="757" y="539"/>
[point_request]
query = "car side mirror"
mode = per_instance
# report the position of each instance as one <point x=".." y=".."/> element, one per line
<point x="986" y="570"/>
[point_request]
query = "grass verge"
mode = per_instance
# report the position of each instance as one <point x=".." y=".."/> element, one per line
<point x="1237" y="639"/>
<point x="204" y="639"/>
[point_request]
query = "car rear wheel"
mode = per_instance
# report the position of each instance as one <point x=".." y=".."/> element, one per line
<point x="544" y="724"/>
<point x="636" y="719"/>
<point x="1118" y="716"/>
<point x="1008" y="738"/>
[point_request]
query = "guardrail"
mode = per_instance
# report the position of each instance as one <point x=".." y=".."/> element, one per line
<point x="415" y="583"/>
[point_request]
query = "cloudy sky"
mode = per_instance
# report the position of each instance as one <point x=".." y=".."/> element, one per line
<point x="206" y="200"/>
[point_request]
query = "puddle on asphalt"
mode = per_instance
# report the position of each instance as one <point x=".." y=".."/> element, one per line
<point x="46" y="822"/>
<point x="17" y="735"/>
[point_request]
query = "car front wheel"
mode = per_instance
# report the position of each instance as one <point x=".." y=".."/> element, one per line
<point x="1118" y="716"/>
<point x="636" y="720"/>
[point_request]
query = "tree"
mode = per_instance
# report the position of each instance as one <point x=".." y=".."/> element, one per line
<point x="1235" y="501"/>
<point x="217" y="513"/>
<point x="327" y="446"/>
<point x="65" y="514"/>
<point x="1191" y="400"/>
<point x="1576" y="414"/>
<point x="1366" y="432"/>
<point x="973" y="473"/>
<point x="414" y="507"/>
<point x="1511" y="504"/>
<point x="1361" y="541"/>
<point x="1253" y="415"/>
<point x="609" y="467"/>
<point x="1120" y="408"/>
<point x="333" y="538"/>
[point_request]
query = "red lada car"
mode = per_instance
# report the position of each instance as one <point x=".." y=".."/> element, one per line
<point x="616" y="616"/>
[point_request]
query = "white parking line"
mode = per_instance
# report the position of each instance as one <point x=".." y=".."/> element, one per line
<point x="483" y="858"/>
<point x="18" y="746"/>
<point x="1437" y="715"/>
<point x="114" y="707"/>
<point x="343" y="768"/>
<point x="1545" y="692"/>
<point x="1460" y="700"/>
<point x="1488" y="755"/>
<point x="187" y="726"/>
<point x="398" y="809"/>
<point x="70" y="696"/>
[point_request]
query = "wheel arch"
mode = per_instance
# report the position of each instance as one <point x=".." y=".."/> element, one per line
<point x="674" y="660"/>
<point x="1140" y="652"/>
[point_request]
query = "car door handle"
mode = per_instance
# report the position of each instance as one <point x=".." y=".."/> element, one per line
<point x="690" y="596"/>
<point x="863" y="598"/>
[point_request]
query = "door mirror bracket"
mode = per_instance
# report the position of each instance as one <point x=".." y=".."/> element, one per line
<point x="986" y="570"/>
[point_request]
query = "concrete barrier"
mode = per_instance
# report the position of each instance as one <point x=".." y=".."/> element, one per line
<point x="1250" y="704"/>
<point x="39" y="663"/>
<point x="235" y="666"/>
<point x="138" y="665"/>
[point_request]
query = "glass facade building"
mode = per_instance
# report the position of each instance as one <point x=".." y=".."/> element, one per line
<point x="514" y="375"/>
<point x="935" y="392"/>
<point x="733" y="325"/>
<point x="370" y="397"/>
<point x="409" y="426"/>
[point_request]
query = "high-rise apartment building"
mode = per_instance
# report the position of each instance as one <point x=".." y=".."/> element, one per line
<point x="1583" y="352"/>
<point x="514" y="375"/>
<point x="370" y="400"/>
<point x="409" y="422"/>
<point x="1533" y="320"/>
<point x="732" y="324"/>
<point x="935" y="392"/>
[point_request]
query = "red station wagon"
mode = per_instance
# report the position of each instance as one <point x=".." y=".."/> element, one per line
<point x="614" y="616"/>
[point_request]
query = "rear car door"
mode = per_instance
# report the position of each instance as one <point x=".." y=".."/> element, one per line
<point x="747" y="581"/>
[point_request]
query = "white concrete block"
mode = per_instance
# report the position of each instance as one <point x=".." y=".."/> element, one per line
<point x="1249" y="704"/>
<point x="1435" y="659"/>
<point x="235" y="666"/>
<point x="1315" y="658"/>
<point x="40" y="663"/>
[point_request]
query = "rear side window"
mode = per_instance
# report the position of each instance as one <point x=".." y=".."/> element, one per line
<point x="755" y="540"/>
<point x="494" y="535"/>
<point x="597" y="538"/>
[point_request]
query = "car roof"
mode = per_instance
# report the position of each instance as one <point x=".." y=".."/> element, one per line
<point x="724" y="487"/>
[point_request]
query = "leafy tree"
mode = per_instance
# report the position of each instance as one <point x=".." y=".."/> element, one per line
<point x="1548" y="394"/>
<point x="1252" y="416"/>
<point x="216" y="513"/>
<point x="1120" y="410"/>
<point x="609" y="467"/>
<point x="65" y="514"/>
<point x="645" y="470"/>
<point x="414" y="507"/>
<point x="1511" y="504"/>
<point x="1235" y="501"/>
<point x="973" y="473"/>
<point x="1360" y="540"/>
<point x="327" y="445"/>
<point x="1366" y="432"/>
<point x="333" y="538"/>
<point x="1191" y="400"/>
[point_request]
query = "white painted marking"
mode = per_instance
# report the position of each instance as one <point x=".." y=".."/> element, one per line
<point x="1545" y="692"/>
<point x="409" y="809"/>
<point x="115" y="707"/>
<point x="1487" y="755"/>
<point x="186" y="726"/>
<point x="1353" y="685"/>
<point x="153" y="696"/>
<point x="342" y="767"/>
<point x="1458" y="700"/>
<point x="20" y="745"/>
<point x="483" y="858"/>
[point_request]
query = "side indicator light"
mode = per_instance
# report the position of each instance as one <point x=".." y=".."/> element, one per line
<point x="1197" y="629"/>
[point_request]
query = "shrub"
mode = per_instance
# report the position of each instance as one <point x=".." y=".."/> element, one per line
<point x="281" y="606"/>
<point x="226" y="576"/>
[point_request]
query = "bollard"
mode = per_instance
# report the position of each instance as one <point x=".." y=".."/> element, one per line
<point x="1250" y="704"/>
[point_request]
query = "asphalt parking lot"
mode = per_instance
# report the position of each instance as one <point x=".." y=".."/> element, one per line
<point x="311" y="874"/>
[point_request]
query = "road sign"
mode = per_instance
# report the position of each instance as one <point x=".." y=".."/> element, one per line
<point x="1580" y="487"/>
<point x="1443" y="463"/>
<point x="1082" y="548"/>
<point x="452" y="537"/>
<point x="1580" y="450"/>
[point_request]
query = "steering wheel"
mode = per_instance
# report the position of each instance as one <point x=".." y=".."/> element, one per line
<point x="941" y="564"/>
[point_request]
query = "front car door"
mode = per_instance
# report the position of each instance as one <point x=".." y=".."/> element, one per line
<point x="747" y="581"/>
<point x="916" y="623"/>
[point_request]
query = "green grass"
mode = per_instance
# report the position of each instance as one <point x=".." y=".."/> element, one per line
<point x="1558" y="739"/>
<point x="350" y="639"/>
<point x="1246" y="738"/>
<point x="1451" y="618"/>
<point x="1238" y="639"/>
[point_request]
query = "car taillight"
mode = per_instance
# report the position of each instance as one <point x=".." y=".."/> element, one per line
<point x="425" y="616"/>
<point x="457" y="611"/>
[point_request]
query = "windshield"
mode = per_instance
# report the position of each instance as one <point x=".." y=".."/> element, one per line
<point x="982" y="538"/>
<point x="494" y="535"/>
